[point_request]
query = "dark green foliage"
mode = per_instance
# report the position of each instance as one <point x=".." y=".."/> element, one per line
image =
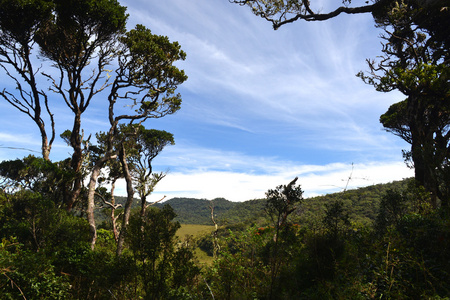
<point x="336" y="219"/>
<point x="283" y="201"/>
<point x="163" y="270"/>
<point x="45" y="254"/>
<point x="197" y="211"/>
<point x="338" y="259"/>
<point x="38" y="223"/>
<point x="78" y="28"/>
<point x="294" y="254"/>
<point x="238" y="272"/>
<point x="364" y="203"/>
<point x="415" y="62"/>
<point x="392" y="209"/>
<point x="251" y="211"/>
<point x="50" y="180"/>
<point x="29" y="275"/>
<point x="20" y="19"/>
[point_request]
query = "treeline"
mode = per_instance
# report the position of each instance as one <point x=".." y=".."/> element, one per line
<point x="316" y="248"/>
<point x="403" y="253"/>
<point x="363" y="204"/>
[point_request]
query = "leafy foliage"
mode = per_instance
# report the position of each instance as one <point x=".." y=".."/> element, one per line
<point x="384" y="241"/>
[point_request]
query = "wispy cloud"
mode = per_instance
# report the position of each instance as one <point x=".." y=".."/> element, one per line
<point x="260" y="106"/>
<point x="205" y="173"/>
<point x="242" y="186"/>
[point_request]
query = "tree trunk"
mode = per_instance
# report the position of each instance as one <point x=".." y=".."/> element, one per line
<point x="77" y="158"/>
<point x="421" y="148"/>
<point x="113" y="211"/>
<point x="127" y="208"/>
<point x="91" y="197"/>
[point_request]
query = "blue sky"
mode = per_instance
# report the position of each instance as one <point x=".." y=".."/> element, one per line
<point x="259" y="108"/>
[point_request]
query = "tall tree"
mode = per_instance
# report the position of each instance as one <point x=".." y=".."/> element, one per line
<point x="69" y="36"/>
<point x="83" y="39"/>
<point x="146" y="80"/>
<point x="81" y="34"/>
<point x="149" y="142"/>
<point x="281" y="203"/>
<point x="20" y="21"/>
<point x="137" y="148"/>
<point x="416" y="62"/>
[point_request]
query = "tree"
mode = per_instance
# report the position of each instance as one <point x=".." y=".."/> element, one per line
<point x="73" y="36"/>
<point x="281" y="202"/>
<point x="146" y="80"/>
<point x="20" y="22"/>
<point x="416" y="61"/>
<point x="336" y="218"/>
<point x="164" y="266"/>
<point x="70" y="36"/>
<point x="37" y="175"/>
<point x="136" y="147"/>
<point x="137" y="150"/>
<point x="149" y="143"/>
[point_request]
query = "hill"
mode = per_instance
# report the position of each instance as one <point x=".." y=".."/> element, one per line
<point x="197" y="211"/>
<point x="362" y="205"/>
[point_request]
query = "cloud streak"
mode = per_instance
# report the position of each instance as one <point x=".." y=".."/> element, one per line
<point x="260" y="106"/>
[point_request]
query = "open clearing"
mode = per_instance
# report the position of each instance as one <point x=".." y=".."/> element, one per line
<point x="194" y="230"/>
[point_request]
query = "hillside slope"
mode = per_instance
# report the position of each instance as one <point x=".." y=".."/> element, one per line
<point x="362" y="205"/>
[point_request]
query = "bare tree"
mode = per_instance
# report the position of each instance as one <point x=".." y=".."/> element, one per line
<point x="19" y="24"/>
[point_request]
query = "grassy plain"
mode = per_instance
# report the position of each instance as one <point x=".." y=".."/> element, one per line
<point x="196" y="231"/>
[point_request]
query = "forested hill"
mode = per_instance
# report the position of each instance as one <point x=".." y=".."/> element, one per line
<point x="197" y="211"/>
<point x="362" y="205"/>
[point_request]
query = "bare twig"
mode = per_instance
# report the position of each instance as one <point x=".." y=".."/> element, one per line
<point x="153" y="203"/>
<point x="14" y="284"/>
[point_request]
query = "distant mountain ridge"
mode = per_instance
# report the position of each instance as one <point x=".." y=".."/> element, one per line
<point x="362" y="204"/>
<point x="197" y="211"/>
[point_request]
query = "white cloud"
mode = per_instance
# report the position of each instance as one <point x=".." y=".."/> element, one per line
<point x="241" y="186"/>
<point x="206" y="173"/>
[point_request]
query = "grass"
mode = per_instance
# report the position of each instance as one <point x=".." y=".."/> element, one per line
<point x="196" y="231"/>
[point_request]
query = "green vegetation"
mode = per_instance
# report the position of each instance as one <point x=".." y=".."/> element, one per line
<point x="194" y="230"/>
<point x="401" y="254"/>
<point x="362" y="204"/>
<point x="316" y="248"/>
<point x="380" y="242"/>
<point x="197" y="211"/>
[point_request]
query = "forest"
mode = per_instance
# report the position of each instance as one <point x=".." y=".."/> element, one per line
<point x="66" y="235"/>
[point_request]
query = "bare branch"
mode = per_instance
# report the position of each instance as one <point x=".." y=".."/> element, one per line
<point x="282" y="13"/>
<point x="153" y="203"/>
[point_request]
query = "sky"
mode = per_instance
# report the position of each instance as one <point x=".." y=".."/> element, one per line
<point x="260" y="107"/>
